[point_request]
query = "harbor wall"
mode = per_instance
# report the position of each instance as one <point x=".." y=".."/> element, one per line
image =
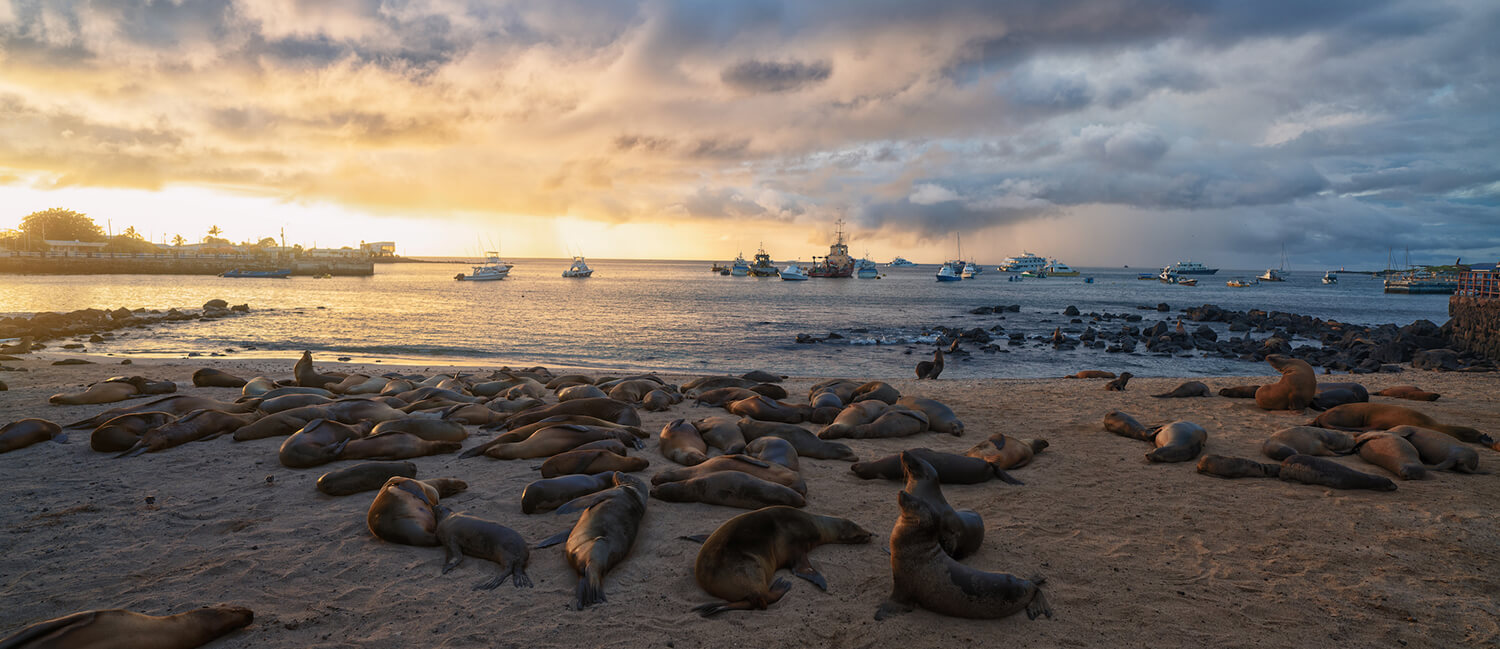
<point x="1476" y="324"/>
<point x="105" y="264"/>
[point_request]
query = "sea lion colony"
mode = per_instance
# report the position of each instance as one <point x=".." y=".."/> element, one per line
<point x="747" y="459"/>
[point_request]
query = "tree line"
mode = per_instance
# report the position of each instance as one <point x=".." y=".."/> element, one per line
<point x="60" y="224"/>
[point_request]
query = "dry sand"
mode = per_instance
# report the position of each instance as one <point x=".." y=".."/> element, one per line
<point x="1134" y="554"/>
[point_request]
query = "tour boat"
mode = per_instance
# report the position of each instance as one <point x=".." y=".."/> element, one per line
<point x="900" y="262"/>
<point x="578" y="269"/>
<point x="493" y="269"/>
<point x="838" y="263"/>
<point x="740" y="268"/>
<point x="949" y="273"/>
<point x="1025" y="262"/>
<point x="1191" y="268"/>
<point x="1058" y="269"/>
<point x="763" y="266"/>
<point x="793" y="273"/>
<point x="1273" y="275"/>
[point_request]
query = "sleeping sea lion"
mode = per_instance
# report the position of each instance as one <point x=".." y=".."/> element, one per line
<point x="1295" y="390"/>
<point x="191" y="427"/>
<point x="1124" y="425"/>
<point x="760" y="376"/>
<point x="461" y="534"/>
<point x="1239" y="392"/>
<point x="1439" y="450"/>
<point x="580" y="391"/>
<point x="1410" y="392"/>
<point x="366" y="476"/>
<point x="122" y="629"/>
<point x="394" y="445"/>
<point x="603" y="535"/>
<point x="730" y="489"/>
<point x="1188" y="389"/>
<point x="403" y="512"/>
<point x="1005" y="452"/>
<point x="1384" y="416"/>
<point x="765" y="408"/>
<point x="896" y="421"/>
<point x="607" y="409"/>
<point x="768" y="471"/>
<point x="806" y="443"/>
<point x="548" y="494"/>
<point x="1393" y="453"/>
<point x="722" y="433"/>
<point x="774" y="450"/>
<point x="437" y="430"/>
<point x="209" y="377"/>
<point x="940" y="418"/>
<point x="738" y="561"/>
<point x="590" y="461"/>
<point x="1305" y="469"/>
<point x="1091" y="374"/>
<point x="554" y="439"/>
<point x="124" y="432"/>
<point x="876" y="390"/>
<point x="180" y="404"/>
<point x="951" y="468"/>
<point x="681" y="443"/>
<point x="319" y="442"/>
<point x="1178" y="441"/>
<point x="1306" y="440"/>
<point x="25" y="432"/>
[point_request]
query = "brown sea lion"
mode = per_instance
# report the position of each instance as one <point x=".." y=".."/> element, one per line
<point x="806" y="443"/>
<point x="722" y="433"/>
<point x="1439" y="450"/>
<point x="765" y="408"/>
<point x="1236" y="467"/>
<point x="1118" y="385"/>
<point x="770" y="389"/>
<point x="951" y="468"/>
<point x="1337" y="394"/>
<point x="355" y="384"/>
<point x="1239" y="392"/>
<point x="25" y="432"/>
<point x="394" y="445"/>
<point x="280" y="424"/>
<point x="114" y="389"/>
<point x="603" y="535"/>
<point x="961" y="531"/>
<point x="123" y="432"/>
<point x="633" y="391"/>
<point x="1410" y="392"/>
<point x="180" y="404"/>
<point x="1318" y="471"/>
<point x="827" y="399"/>
<point x="461" y="534"/>
<point x="706" y="383"/>
<point x="257" y="386"/>
<point x="403" y="512"/>
<point x="761" y="376"/>
<point x="437" y="430"/>
<point x="659" y="400"/>
<point x="366" y="476"/>
<point x="1188" y="389"/>
<point x="1005" y="452"/>
<point x="472" y="414"/>
<point x="568" y="380"/>
<point x="285" y="402"/>
<point x="1295" y="390"/>
<point x="923" y="575"/>
<point x="931" y="369"/>
<point x="681" y="443"/>
<point x="1384" y="416"/>
<point x="209" y="377"/>
<point x="842" y="388"/>
<point x="940" y="418"/>
<point x="876" y="390"/>
<point x="590" y="461"/>
<point x="192" y="427"/>
<point x="319" y="442"/>
<point x="580" y="391"/>
<point x="1091" y="374"/>
<point x="774" y="450"/>
<point x="719" y="397"/>
<point x="1392" y="453"/>
<point x="759" y="468"/>
<point x="730" y="489"/>
<point x="308" y="377"/>
<point x="897" y="421"/>
<point x="292" y="389"/>
<point x="522" y="433"/>
<point x="607" y="409"/>
<point x="548" y="494"/>
<point x="853" y="415"/>
<point x="122" y="629"/>
<point x="1124" y="425"/>
<point x="554" y="439"/>
<point x="1178" y="441"/>
<point x="1306" y="440"/>
<point x="739" y="560"/>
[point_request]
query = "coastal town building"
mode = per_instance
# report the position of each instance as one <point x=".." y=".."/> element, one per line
<point x="73" y="247"/>
<point x="378" y="250"/>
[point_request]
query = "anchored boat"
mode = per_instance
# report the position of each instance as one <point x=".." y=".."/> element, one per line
<point x="491" y="270"/>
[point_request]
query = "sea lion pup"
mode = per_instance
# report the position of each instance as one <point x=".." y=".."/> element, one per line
<point x="123" y="432"/>
<point x="722" y="433"/>
<point x="192" y="427"/>
<point x="591" y="461"/>
<point x="774" y="450"/>
<point x="365" y="476"/>
<point x="764" y="408"/>
<point x="113" y="389"/>
<point x="738" y="561"/>
<point x="855" y="414"/>
<point x="806" y="443"/>
<point x="681" y="443"/>
<point x="931" y="369"/>
<point x="1224" y="466"/>
<point x="1411" y="392"/>
<point x="763" y="469"/>
<point x="1124" y="425"/>
<point x="121" y="629"/>
<point x="1178" y="441"/>
<point x="548" y="494"/>
<point x="1384" y="416"/>
<point x="23" y="433"/>
<point x="1439" y="450"/>
<point x="1005" y="452"/>
<point x="307" y="377"/>
<point x="394" y="445"/>
<point x="718" y="397"/>
<point x="209" y="377"/>
<point x="461" y="534"/>
<point x="706" y="383"/>
<point x="961" y="531"/>
<point x="659" y="400"/>
<point x="285" y="402"/>
<point x="437" y="430"/>
<point x="603" y="535"/>
<point x="1338" y="394"/>
<point x="1118" y="385"/>
<point x="1239" y="392"/>
<point x="897" y="421"/>
<point x="1188" y="389"/>
<point x="257" y="386"/>
<point x="607" y="409"/>
<point x="876" y="390"/>
<point x="729" y="489"/>
<point x="319" y="442"/>
<point x="940" y="418"/>
<point x="760" y="376"/>
<point x="557" y="438"/>
<point x="580" y="391"/>
<point x="1392" y="453"/>
<point x="403" y="510"/>
<point x="180" y="404"/>
<point x="1091" y="374"/>
<point x="1306" y="440"/>
<point x="923" y="575"/>
<point x="951" y="468"/>
<point x="1295" y="390"/>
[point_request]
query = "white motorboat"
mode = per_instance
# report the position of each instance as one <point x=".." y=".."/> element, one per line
<point x="971" y="270"/>
<point x="793" y="273"/>
<point x="866" y="269"/>
<point x="900" y="262"/>
<point x="492" y="270"/>
<point x="1273" y="275"/>
<point x="1023" y="263"/>
<point x="1330" y="278"/>
<point x="1056" y="268"/>
<point x="949" y="273"/>
<point x="578" y="269"/>
<point x="741" y="267"/>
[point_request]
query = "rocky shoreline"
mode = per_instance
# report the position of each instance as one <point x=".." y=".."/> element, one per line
<point x="86" y="326"/>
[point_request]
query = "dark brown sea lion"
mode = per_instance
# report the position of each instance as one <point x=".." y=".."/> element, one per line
<point x="897" y="421"/>
<point x="739" y="560"/>
<point x="1392" y="453"/>
<point x="192" y="427"/>
<point x="1295" y="390"/>
<point x="842" y="388"/>
<point x="1410" y="392"/>
<point x="461" y="534"/>
<point x="1118" y="385"/>
<point x="180" y="404"/>
<point x="923" y="575"/>
<point x="394" y="445"/>
<point x="1178" y="441"/>
<point x="659" y="400"/>
<point x="961" y="531"/>
<point x="603" y="535"/>
<point x="437" y="430"/>
<point x="403" y="512"/>
<point x="770" y="389"/>
<point x="827" y="399"/>
<point x="591" y="461"/>
<point x="1005" y="452"/>
<point x="762" y="469"/>
<point x="522" y="433"/>
<point x="366" y="476"/>
<point x="1439" y="450"/>
<point x="122" y="629"/>
<point x="23" y="433"/>
<point x="1239" y="392"/>
<point x="951" y="468"/>
<point x="1236" y="467"/>
<point x="706" y="383"/>
<point x="940" y="418"/>
<point x="681" y="443"/>
<point x="568" y="380"/>
<point x="548" y="494"/>
<point x="285" y="402"/>
<point x="1091" y="374"/>
<point x="1330" y="395"/>
<point x="580" y="392"/>
<point x="308" y="377"/>
<point x="1384" y="416"/>
<point x="722" y="433"/>
<point x="1124" y="425"/>
<point x="632" y="391"/>
<point x="876" y="390"/>
<point x="1318" y="471"/>
<point x="760" y="376"/>
<point x="774" y="450"/>
<point x="1188" y="389"/>
<point x="113" y="389"/>
<point x="853" y="415"/>
<point x="806" y="443"/>
<point x="931" y="369"/>
<point x="318" y="443"/>
<point x="209" y="377"/>
<point x="554" y="439"/>
<point x="1306" y="440"/>
<point x="124" y="432"/>
<point x="719" y="397"/>
<point x="765" y="408"/>
<point x="730" y="489"/>
<point x="607" y="409"/>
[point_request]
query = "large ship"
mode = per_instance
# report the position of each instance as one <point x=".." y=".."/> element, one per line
<point x="1191" y="268"/>
<point x="763" y="266"/>
<point x="838" y="263"/>
<point x="1023" y="263"/>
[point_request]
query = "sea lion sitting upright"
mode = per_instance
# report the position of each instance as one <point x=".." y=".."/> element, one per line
<point x="1178" y="441"/>
<point x="122" y="629"/>
<point x="209" y="377"/>
<point x="1410" y="392"/>
<point x="681" y="443"/>
<point x="1188" y="389"/>
<point x="1439" y="450"/>
<point x="603" y="535"/>
<point x="1393" y="453"/>
<point x="961" y="531"/>
<point x="25" y="432"/>
<point x="308" y="377"/>
<point x="1118" y="385"/>
<point x="1384" y="416"/>
<point x="738" y="561"/>
<point x="461" y="534"/>
<point x="1306" y="440"/>
<point x="403" y="510"/>
<point x="931" y="369"/>
<point x="923" y="575"/>
<point x="1005" y="452"/>
<point x="1295" y="390"/>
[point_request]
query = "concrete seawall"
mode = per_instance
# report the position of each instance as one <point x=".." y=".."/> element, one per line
<point x="35" y="264"/>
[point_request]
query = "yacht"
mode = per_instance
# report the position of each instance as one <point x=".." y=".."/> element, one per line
<point x="971" y="270"/>
<point x="740" y="268"/>
<point x="578" y="269"/>
<point x="763" y="267"/>
<point x="793" y="273"/>
<point x="493" y="269"/>
<point x="1058" y="269"/>
<point x="1191" y="268"/>
<point x="1025" y="262"/>
<point x="900" y="262"/>
<point x="949" y="273"/>
<point x="866" y="269"/>
<point x="1330" y="278"/>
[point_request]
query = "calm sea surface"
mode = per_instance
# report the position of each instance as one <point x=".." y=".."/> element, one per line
<point x="678" y="316"/>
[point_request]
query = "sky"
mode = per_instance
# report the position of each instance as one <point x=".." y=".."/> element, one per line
<point x="1141" y="132"/>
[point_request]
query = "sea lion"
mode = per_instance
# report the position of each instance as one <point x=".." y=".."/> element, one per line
<point x="121" y="629"/>
<point x="719" y="397"/>
<point x="365" y="476"/>
<point x="876" y="390"/>
<point x="1124" y="425"/>
<point x="403" y="512"/>
<point x="940" y="418"/>
<point x="765" y="470"/>
<point x="257" y="386"/>
<point x="292" y="389"/>
<point x="607" y="409"/>
<point x="1188" y="389"/>
<point x="730" y="489"/>
<point x="760" y="376"/>
<point x="1091" y="374"/>
<point x="1392" y="453"/>
<point x="472" y="414"/>
<point x="209" y="377"/>
<point x="771" y="390"/>
<point x="853" y="415"/>
<point x="931" y="369"/>
<point x="1440" y="450"/>
<point x="961" y="531"/>
<point x="359" y="384"/>
<point x="318" y="443"/>
<point x="394" y="445"/>
<point x="1295" y="390"/>
<point x="603" y="535"/>
<point x="1338" y="394"/>
<point x="827" y="399"/>
<point x="581" y="391"/>
<point x="1306" y="440"/>
<point x="738" y="561"/>
<point x="896" y="421"/>
<point x="180" y="404"/>
<point x="1384" y="416"/>
<point x="658" y="401"/>
<point x="568" y="380"/>
<point x="1118" y="385"/>
<point x="1318" y="471"/>
<point x="23" y="433"/>
<point x="192" y="427"/>
<point x="1236" y="467"/>
<point x="923" y="575"/>
<point x="123" y="432"/>
<point x="951" y="468"/>
<point x="554" y="439"/>
<point x="1239" y="392"/>
<point x="633" y="391"/>
<point x="527" y="389"/>
<point x="522" y="433"/>
<point x="113" y="389"/>
<point x="765" y="408"/>
<point x="280" y="424"/>
<point x="285" y="402"/>
<point x="437" y="430"/>
<point x="1005" y="452"/>
<point x="842" y="388"/>
<point x="548" y="494"/>
<point x="1410" y="392"/>
<point x="775" y="450"/>
<point x="590" y="461"/>
<point x="308" y="377"/>
<point x="461" y="534"/>
<point x="681" y="443"/>
<point x="722" y="433"/>
<point x="806" y="443"/>
<point x="1178" y="441"/>
<point x="706" y="383"/>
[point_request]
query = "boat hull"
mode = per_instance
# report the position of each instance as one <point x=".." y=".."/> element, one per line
<point x="257" y="274"/>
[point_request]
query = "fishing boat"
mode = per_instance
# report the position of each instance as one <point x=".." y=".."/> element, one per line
<point x="1056" y="268"/>
<point x="793" y="273"/>
<point x="280" y="273"/>
<point x="1189" y="267"/>
<point x="970" y="271"/>
<point x="491" y="270"/>
<point x="1273" y="275"/>
<point x="900" y="262"/>
<point x="838" y="263"/>
<point x="1422" y="281"/>
<point x="1242" y="283"/>
<point x="763" y="266"/>
<point x="719" y="268"/>
<point x="1330" y="278"/>
<point x="740" y="268"/>
<point x="578" y="269"/>
<point x="950" y="273"/>
<point x="866" y="269"/>
<point x="1022" y="263"/>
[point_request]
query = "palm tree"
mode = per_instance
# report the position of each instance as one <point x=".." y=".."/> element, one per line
<point x="177" y="240"/>
<point x="130" y="233"/>
<point x="214" y="231"/>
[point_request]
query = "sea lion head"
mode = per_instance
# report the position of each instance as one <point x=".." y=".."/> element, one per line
<point x="917" y="511"/>
<point x="917" y="468"/>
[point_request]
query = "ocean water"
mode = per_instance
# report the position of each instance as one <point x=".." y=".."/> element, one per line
<point x="677" y="316"/>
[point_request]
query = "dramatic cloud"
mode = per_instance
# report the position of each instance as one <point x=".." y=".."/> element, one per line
<point x="771" y="76"/>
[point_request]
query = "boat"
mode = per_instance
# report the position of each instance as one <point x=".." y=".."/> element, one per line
<point x="1422" y="282"/>
<point x="1189" y="267"/>
<point x="1187" y="281"/>
<point x="719" y="268"/>
<point x="1273" y="275"/>
<point x="1040" y="273"/>
<point x="1014" y="278"/>
<point x="763" y="266"/>
<point x="1242" y="283"/>
<point x="280" y="273"/>
<point x="1088" y="280"/>
<point x="949" y="273"/>
<point x="1330" y="278"/>
<point x="866" y="269"/>
<point x="1146" y="276"/>
<point x="970" y="271"/>
<point x="793" y="273"/>
<point x="1056" y="268"/>
<point x="838" y="263"/>
<point x="578" y="269"/>
<point x="491" y="270"/>
<point x="1022" y="263"/>
<point x="741" y="267"/>
<point x="900" y="262"/>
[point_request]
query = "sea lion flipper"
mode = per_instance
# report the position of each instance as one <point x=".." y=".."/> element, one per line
<point x="891" y="607"/>
<point x="1005" y="477"/>
<point x="696" y="538"/>
<point x="139" y="448"/>
<point x="803" y="568"/>
<point x="1038" y="605"/>
<point x="554" y="539"/>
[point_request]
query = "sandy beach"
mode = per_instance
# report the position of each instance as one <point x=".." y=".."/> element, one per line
<point x="1135" y="554"/>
